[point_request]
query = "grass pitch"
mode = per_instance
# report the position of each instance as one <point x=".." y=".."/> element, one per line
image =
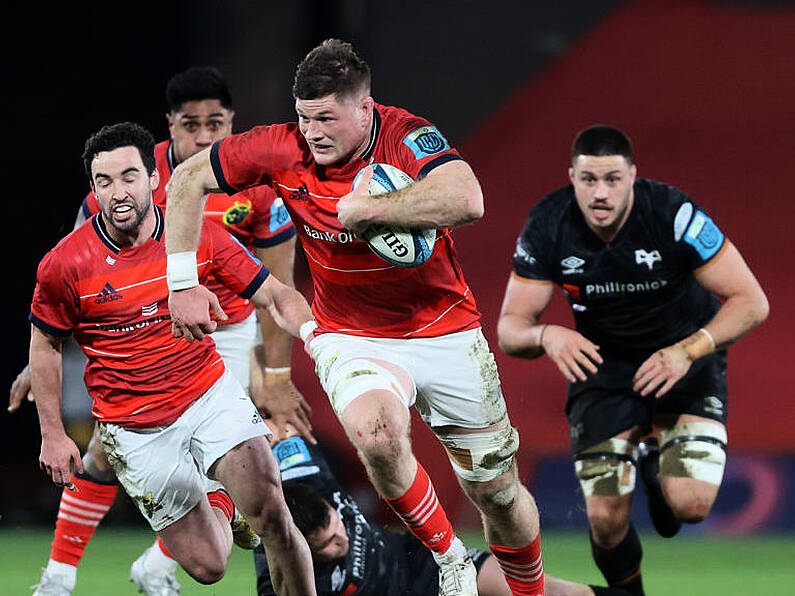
<point x="685" y="566"/>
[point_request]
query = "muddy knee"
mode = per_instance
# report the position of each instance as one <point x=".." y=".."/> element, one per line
<point x="483" y="456"/>
<point x="692" y="461"/>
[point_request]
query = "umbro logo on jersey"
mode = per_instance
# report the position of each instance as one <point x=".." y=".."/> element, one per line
<point x="110" y="260"/>
<point x="300" y="194"/>
<point x="572" y="265"/>
<point x="649" y="258"/>
<point x="108" y="294"/>
<point x="148" y="311"/>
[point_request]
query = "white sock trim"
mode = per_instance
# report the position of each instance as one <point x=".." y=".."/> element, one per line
<point x="68" y="572"/>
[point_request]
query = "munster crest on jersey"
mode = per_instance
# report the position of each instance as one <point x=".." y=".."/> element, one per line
<point x="237" y="213"/>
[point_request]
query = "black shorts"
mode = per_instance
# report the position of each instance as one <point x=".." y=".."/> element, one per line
<point x="423" y="572"/>
<point x="605" y="405"/>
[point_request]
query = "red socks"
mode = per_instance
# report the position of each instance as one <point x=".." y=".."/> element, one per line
<point x="221" y="500"/>
<point x="422" y="513"/>
<point x="163" y="548"/>
<point x="79" y="514"/>
<point x="523" y="568"/>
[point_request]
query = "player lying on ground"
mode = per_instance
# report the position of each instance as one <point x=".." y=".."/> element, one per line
<point x="351" y="553"/>
<point x="645" y="270"/>
<point x="174" y="422"/>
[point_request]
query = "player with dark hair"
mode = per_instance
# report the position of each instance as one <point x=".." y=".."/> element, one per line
<point x="174" y="422"/>
<point x="351" y="554"/>
<point x="200" y="112"/>
<point x="387" y="337"/>
<point x="658" y="294"/>
<point x="197" y="82"/>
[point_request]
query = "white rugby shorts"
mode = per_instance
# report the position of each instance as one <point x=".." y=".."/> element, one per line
<point x="164" y="468"/>
<point x="234" y="343"/>
<point x="455" y="377"/>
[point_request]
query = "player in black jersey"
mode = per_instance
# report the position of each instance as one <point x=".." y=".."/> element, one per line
<point x="657" y="294"/>
<point x="352" y="555"/>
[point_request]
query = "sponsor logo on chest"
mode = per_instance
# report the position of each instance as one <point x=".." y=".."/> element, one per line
<point x="344" y="237"/>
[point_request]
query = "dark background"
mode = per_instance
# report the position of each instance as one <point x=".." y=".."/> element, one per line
<point x="509" y="83"/>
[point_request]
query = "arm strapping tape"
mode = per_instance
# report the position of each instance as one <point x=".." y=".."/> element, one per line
<point x="181" y="271"/>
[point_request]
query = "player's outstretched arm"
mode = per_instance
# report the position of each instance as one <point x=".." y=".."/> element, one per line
<point x="58" y="452"/>
<point x="521" y="335"/>
<point x="449" y="196"/>
<point x="272" y="388"/>
<point x="286" y="305"/>
<point x="744" y="307"/>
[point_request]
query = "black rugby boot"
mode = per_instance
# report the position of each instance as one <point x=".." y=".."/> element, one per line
<point x="661" y="514"/>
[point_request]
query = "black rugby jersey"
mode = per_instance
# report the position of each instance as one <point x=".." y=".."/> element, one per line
<point x="378" y="562"/>
<point x="638" y="293"/>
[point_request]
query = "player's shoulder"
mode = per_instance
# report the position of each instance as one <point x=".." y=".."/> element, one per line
<point x="398" y="122"/>
<point x="285" y="132"/>
<point x="282" y="142"/>
<point x="553" y="208"/>
<point x="659" y="197"/>
<point x="392" y="115"/>
<point x="71" y="250"/>
<point x="162" y="152"/>
<point x="664" y="206"/>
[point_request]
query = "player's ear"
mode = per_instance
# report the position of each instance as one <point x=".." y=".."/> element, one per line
<point x="571" y="174"/>
<point x="366" y="106"/>
<point x="154" y="179"/>
<point x="633" y="172"/>
<point x="170" y="120"/>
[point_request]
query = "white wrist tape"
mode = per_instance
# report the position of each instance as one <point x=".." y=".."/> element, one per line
<point x="306" y="329"/>
<point x="278" y="370"/>
<point x="709" y="336"/>
<point x="181" y="271"/>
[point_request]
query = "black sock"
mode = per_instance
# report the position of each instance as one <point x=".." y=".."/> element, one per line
<point x="621" y="565"/>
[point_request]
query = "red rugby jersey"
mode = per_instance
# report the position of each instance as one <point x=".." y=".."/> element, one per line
<point x="256" y="217"/>
<point x="115" y="301"/>
<point x="355" y="291"/>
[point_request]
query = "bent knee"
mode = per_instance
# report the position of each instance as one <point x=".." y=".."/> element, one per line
<point x="609" y="520"/>
<point x="380" y="439"/>
<point x="270" y="518"/>
<point x="691" y="508"/>
<point x="206" y="573"/>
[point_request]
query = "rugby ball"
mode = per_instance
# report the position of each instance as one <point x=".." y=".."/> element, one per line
<point x="397" y="245"/>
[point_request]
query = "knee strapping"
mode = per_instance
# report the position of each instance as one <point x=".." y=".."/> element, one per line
<point x="360" y="375"/>
<point x="695" y="450"/>
<point x="607" y="469"/>
<point x="481" y="456"/>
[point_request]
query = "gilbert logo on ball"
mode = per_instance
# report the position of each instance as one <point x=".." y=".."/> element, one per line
<point x="397" y="245"/>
